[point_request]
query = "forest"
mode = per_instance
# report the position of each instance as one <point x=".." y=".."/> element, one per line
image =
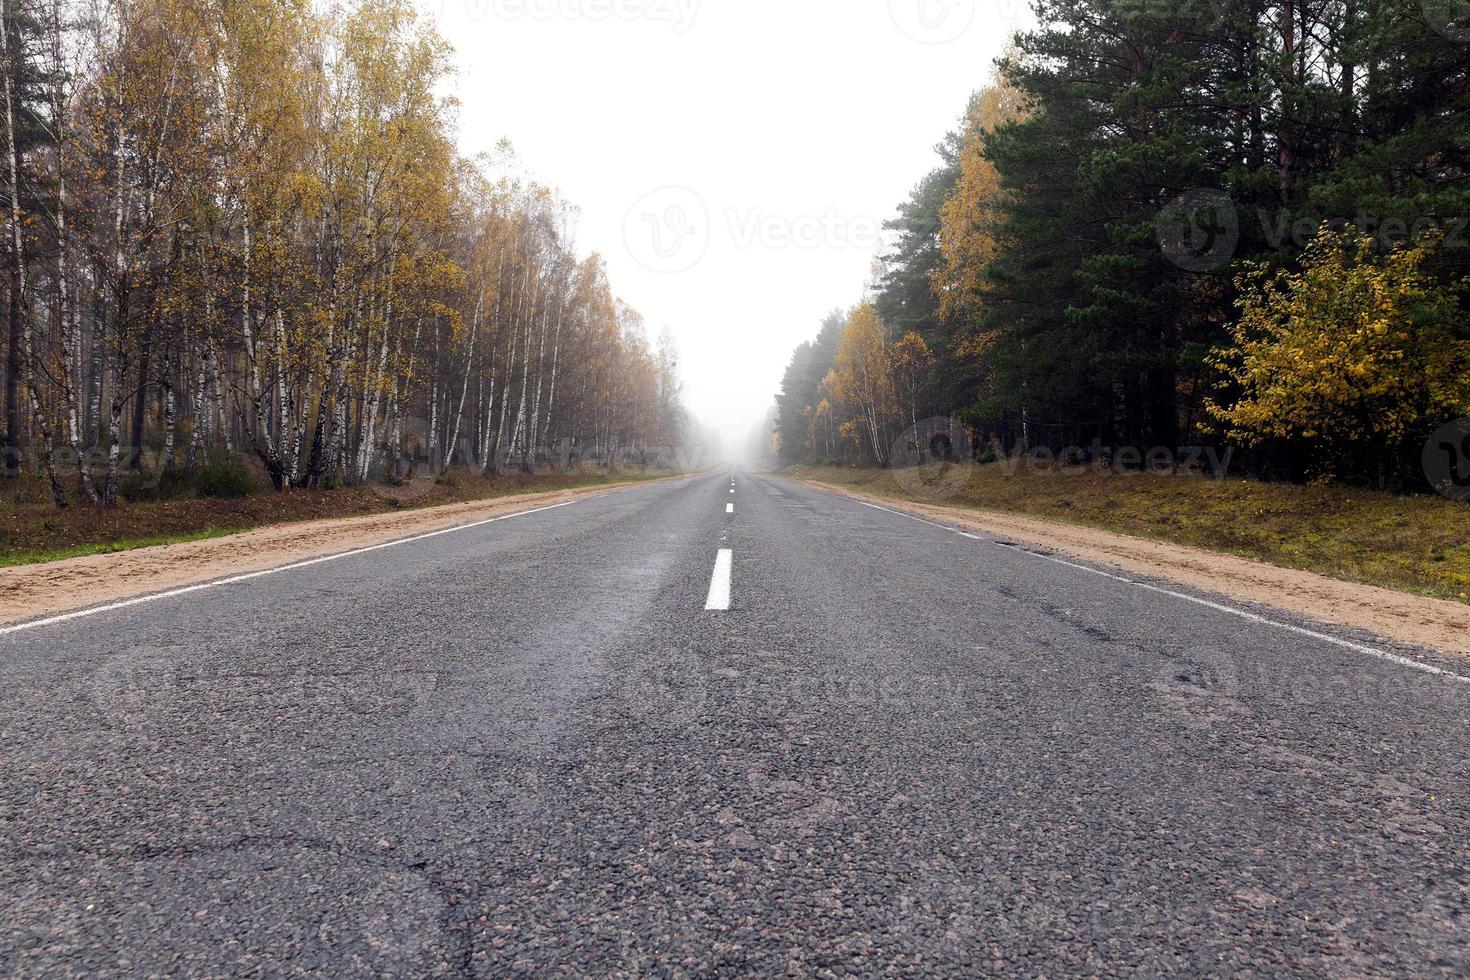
<point x="239" y="230"/>
<point x="1237" y="224"/>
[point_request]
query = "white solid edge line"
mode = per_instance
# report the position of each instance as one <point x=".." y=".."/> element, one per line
<point x="1392" y="658"/>
<point x="1375" y="652"/>
<point x="248" y="576"/>
<point x="912" y="517"/>
<point x="719" y="583"/>
<point x="1262" y="620"/>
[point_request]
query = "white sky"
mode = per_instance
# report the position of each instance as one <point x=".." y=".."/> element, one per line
<point x="732" y="159"/>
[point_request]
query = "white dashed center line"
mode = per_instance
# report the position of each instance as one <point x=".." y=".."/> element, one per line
<point x="719" y="585"/>
<point x="729" y="508"/>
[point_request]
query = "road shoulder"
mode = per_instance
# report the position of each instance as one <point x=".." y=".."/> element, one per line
<point x="1397" y="616"/>
<point x="33" y="591"/>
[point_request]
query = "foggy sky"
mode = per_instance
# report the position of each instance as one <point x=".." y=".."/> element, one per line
<point x="733" y="160"/>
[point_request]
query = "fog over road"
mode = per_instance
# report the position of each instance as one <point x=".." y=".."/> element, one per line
<point x="886" y="747"/>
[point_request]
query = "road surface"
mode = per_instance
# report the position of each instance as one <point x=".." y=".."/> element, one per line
<point x="889" y="748"/>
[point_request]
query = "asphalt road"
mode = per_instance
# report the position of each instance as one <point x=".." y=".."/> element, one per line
<point x="529" y="748"/>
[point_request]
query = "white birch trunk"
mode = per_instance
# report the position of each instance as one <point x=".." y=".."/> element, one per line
<point x="469" y="361"/>
<point x="21" y="303"/>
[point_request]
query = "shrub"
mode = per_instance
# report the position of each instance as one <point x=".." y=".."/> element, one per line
<point x="1356" y="357"/>
<point x="145" y="484"/>
<point x="222" y="477"/>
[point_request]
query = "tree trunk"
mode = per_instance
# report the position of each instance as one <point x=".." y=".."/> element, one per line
<point x="12" y="388"/>
<point x="140" y="402"/>
<point x="469" y="364"/>
<point x="19" y="301"/>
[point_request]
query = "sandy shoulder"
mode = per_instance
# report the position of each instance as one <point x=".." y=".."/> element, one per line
<point x="1399" y="616"/>
<point x="32" y="591"/>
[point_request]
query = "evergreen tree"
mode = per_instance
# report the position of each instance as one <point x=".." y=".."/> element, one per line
<point x="24" y="35"/>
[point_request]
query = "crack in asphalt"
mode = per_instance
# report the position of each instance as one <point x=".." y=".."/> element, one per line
<point x="525" y="750"/>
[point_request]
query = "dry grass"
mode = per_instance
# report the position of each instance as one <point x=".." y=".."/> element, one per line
<point x="32" y="530"/>
<point x="1415" y="544"/>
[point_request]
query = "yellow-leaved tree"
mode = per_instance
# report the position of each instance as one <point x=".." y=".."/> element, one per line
<point x="864" y="380"/>
<point x="1357" y="353"/>
<point x="912" y="361"/>
<point x="969" y="230"/>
